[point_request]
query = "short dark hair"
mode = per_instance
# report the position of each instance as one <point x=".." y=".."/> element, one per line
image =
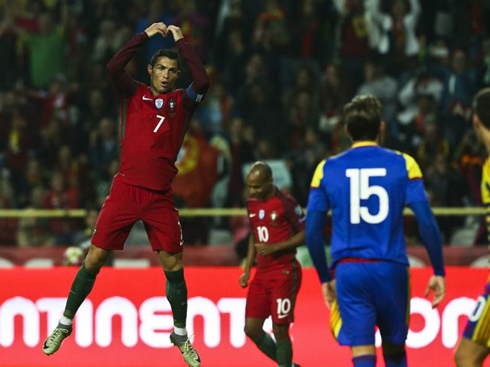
<point x="481" y="106"/>
<point x="165" y="52"/>
<point x="362" y="117"/>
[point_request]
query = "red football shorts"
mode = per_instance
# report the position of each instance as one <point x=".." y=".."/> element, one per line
<point x="127" y="204"/>
<point x="274" y="295"/>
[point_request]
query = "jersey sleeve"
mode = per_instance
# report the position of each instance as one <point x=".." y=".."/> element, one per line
<point x="485" y="194"/>
<point x="294" y="214"/>
<point x="251" y="226"/>
<point x="318" y="199"/>
<point x="195" y="92"/>
<point x="415" y="187"/>
<point x="125" y="84"/>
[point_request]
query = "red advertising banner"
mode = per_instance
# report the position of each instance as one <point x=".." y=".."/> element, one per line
<point x="126" y="321"/>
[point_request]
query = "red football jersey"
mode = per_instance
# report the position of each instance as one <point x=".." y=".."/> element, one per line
<point x="153" y="127"/>
<point x="152" y="130"/>
<point x="275" y="220"/>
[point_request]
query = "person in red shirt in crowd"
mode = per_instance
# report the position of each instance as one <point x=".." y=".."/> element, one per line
<point x="277" y="225"/>
<point x="154" y="120"/>
<point x="61" y="196"/>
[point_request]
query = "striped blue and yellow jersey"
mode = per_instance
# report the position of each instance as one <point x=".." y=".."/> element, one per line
<point x="367" y="188"/>
<point x="485" y="195"/>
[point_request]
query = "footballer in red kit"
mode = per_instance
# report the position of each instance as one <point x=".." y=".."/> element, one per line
<point x="154" y="120"/>
<point x="273" y="221"/>
<point x="277" y="224"/>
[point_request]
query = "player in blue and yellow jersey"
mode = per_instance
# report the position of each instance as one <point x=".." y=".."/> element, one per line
<point x="474" y="346"/>
<point x="367" y="188"/>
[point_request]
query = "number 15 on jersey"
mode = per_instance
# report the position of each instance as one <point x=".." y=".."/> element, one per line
<point x="360" y="189"/>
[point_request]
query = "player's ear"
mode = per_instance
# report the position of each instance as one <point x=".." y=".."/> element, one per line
<point x="382" y="128"/>
<point x="381" y="132"/>
<point x="346" y="129"/>
<point x="149" y="68"/>
<point x="476" y="121"/>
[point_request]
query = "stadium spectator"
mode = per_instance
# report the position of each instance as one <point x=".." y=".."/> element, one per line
<point x="336" y="35"/>
<point x="431" y="146"/>
<point x="62" y="196"/>
<point x="8" y="226"/>
<point x="46" y="48"/>
<point x="241" y="153"/>
<point x="35" y="231"/>
<point x="103" y="146"/>
<point x="354" y="46"/>
<point x="382" y="85"/>
<point x="396" y="33"/>
<point x="459" y="84"/>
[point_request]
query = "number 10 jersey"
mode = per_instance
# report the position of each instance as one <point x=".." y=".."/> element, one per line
<point x="272" y="221"/>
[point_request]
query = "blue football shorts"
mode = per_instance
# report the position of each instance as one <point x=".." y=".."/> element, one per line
<point x="371" y="294"/>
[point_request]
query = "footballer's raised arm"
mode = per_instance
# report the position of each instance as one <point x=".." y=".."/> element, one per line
<point x="124" y="83"/>
<point x="200" y="77"/>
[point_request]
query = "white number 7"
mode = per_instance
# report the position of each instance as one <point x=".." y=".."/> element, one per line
<point x="159" y="122"/>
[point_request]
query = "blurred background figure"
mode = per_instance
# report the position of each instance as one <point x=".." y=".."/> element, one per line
<point x="74" y="255"/>
<point x="282" y="71"/>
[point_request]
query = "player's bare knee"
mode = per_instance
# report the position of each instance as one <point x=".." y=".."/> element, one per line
<point x="95" y="259"/>
<point x="252" y="332"/>
<point x="92" y="265"/>
<point x="170" y="261"/>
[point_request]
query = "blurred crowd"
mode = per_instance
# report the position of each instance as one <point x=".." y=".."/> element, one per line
<point x="281" y="71"/>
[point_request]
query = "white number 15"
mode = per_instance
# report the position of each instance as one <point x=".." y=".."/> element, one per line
<point x="361" y="190"/>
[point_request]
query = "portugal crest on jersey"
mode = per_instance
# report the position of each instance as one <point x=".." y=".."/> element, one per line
<point x="171" y="104"/>
<point x="159" y="103"/>
<point x="274" y="217"/>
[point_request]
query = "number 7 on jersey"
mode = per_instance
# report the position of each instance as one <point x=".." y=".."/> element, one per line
<point x="160" y="122"/>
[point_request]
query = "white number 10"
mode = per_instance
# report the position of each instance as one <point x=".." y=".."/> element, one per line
<point x="360" y="189"/>
<point x="263" y="233"/>
<point x="159" y="122"/>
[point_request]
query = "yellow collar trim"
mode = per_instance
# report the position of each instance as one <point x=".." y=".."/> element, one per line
<point x="364" y="144"/>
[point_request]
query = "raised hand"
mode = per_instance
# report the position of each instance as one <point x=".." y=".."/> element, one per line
<point x="176" y="32"/>
<point x="156" y="28"/>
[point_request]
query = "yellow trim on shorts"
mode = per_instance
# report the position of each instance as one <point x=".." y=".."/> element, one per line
<point x="481" y="335"/>
<point x="335" y="320"/>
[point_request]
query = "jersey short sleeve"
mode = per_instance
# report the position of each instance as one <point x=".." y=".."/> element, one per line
<point x="415" y="187"/>
<point x="485" y="194"/>
<point x="294" y="214"/>
<point x="318" y="199"/>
